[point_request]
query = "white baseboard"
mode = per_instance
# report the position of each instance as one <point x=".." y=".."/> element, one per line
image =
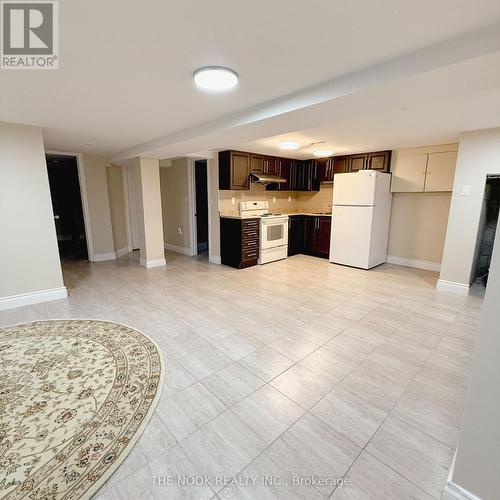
<point x="214" y="259"/>
<point x="419" y="264"/>
<point x="152" y="262"/>
<point x="123" y="251"/>
<point x="451" y="286"/>
<point x="98" y="257"/>
<point x="26" y="299"/>
<point x="178" y="249"/>
<point x="453" y="491"/>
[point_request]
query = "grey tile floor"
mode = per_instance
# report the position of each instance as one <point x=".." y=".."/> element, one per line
<point x="284" y="372"/>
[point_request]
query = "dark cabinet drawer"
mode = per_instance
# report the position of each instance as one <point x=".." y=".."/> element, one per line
<point x="239" y="240"/>
<point x="250" y="255"/>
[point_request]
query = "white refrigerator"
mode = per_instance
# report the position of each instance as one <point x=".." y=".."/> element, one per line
<point x="360" y="218"/>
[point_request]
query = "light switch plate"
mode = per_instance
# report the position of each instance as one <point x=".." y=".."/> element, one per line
<point x="289" y="199"/>
<point x="274" y="199"/>
<point x="233" y="200"/>
<point x="466" y="190"/>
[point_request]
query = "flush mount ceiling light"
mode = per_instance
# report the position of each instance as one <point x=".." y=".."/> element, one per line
<point x="215" y="78"/>
<point x="321" y="153"/>
<point x="288" y="145"/>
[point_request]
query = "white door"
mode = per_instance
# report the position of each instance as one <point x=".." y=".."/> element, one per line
<point x="351" y="236"/>
<point x="441" y="171"/>
<point x="355" y="188"/>
<point x="408" y="175"/>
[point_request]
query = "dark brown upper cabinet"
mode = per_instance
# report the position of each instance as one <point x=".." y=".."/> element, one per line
<point x="379" y="161"/>
<point x="271" y="165"/>
<point x="340" y="164"/>
<point x="234" y="169"/>
<point x="357" y="162"/>
<point x="257" y="163"/>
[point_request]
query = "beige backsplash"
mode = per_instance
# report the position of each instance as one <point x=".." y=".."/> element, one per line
<point x="300" y="201"/>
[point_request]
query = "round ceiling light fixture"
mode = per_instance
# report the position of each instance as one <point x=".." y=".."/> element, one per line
<point x="321" y="153"/>
<point x="215" y="78"/>
<point x="290" y="145"/>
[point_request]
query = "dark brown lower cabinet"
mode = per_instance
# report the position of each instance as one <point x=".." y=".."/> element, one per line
<point x="309" y="234"/>
<point x="295" y="234"/>
<point x="239" y="242"/>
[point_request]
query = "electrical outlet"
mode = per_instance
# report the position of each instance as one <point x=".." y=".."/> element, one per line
<point x="289" y="199"/>
<point x="466" y="190"/>
<point x="233" y="201"/>
<point x="179" y="230"/>
<point x="274" y="199"/>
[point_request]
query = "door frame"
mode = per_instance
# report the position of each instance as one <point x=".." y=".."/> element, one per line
<point x="83" y="196"/>
<point x="208" y="156"/>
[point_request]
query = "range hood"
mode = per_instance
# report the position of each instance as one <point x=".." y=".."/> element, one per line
<point x="266" y="178"/>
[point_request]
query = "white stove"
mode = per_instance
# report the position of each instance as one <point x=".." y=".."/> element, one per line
<point x="273" y="240"/>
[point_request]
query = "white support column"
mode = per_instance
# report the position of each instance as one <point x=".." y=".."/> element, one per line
<point x="475" y="471"/>
<point x="152" y="253"/>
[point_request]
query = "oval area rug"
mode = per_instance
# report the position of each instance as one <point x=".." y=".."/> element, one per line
<point x="75" y="396"/>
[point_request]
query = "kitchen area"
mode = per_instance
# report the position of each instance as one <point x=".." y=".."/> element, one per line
<point x="274" y="207"/>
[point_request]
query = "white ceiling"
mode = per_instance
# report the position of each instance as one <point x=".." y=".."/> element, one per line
<point x="126" y="66"/>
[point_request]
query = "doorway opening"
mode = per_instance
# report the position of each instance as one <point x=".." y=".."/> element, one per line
<point x="487" y="229"/>
<point x="67" y="207"/>
<point x="201" y="214"/>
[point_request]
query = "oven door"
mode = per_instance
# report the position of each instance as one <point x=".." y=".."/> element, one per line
<point x="273" y="232"/>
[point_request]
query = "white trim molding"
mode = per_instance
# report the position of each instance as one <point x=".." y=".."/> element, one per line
<point x="152" y="262"/>
<point x="451" y="286"/>
<point x="214" y="259"/>
<point x="453" y="491"/>
<point x="26" y="299"/>
<point x="123" y="251"/>
<point x="178" y="249"/>
<point x="98" y="257"/>
<point x="419" y="264"/>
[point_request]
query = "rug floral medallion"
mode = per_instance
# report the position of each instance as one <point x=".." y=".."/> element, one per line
<point x="74" y="397"/>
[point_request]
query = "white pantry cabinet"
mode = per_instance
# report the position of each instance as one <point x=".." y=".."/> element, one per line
<point x="424" y="170"/>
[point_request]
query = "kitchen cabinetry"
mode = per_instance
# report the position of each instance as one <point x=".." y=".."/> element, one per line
<point x="239" y="242"/>
<point x="304" y="175"/>
<point x="257" y="164"/>
<point x="271" y="165"/>
<point x="234" y="169"/>
<point x="309" y="234"/>
<point x="379" y="160"/>
<point x="423" y="170"/>
<point x="340" y="164"/>
<point x="295" y="234"/>
<point x="357" y="162"/>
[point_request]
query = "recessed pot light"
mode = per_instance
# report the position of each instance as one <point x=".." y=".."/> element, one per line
<point x="321" y="153"/>
<point x="288" y="145"/>
<point x="215" y="78"/>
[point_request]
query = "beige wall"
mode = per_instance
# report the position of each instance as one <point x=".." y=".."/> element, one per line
<point x="98" y="205"/>
<point x="418" y="226"/>
<point x="478" y="155"/>
<point x="114" y="175"/>
<point x="152" y="249"/>
<point x="29" y="256"/>
<point x="175" y="205"/>
<point x="478" y="456"/>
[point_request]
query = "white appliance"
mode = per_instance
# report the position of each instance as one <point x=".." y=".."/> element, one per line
<point x="273" y="239"/>
<point x="361" y="214"/>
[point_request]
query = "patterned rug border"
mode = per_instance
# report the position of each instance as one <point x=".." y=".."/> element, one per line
<point x="126" y="451"/>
